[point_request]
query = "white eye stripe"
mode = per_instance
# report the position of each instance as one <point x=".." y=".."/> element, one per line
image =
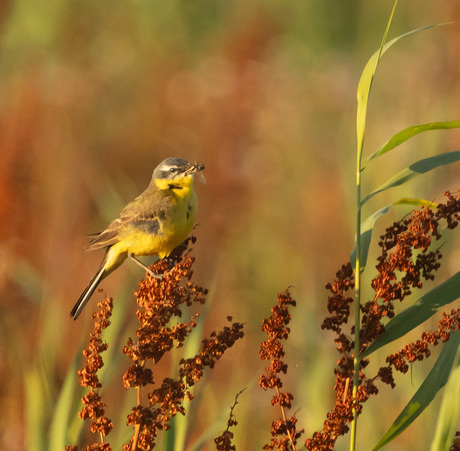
<point x="167" y="168"/>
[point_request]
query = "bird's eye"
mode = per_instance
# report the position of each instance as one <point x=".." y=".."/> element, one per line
<point x="172" y="170"/>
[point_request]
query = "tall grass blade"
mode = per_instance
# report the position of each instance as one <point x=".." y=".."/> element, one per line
<point x="416" y="314"/>
<point x="365" y="85"/>
<point x="35" y="410"/>
<point x="62" y="411"/>
<point x="367" y="77"/>
<point x="414" y="170"/>
<point x="408" y="133"/>
<point x="450" y="410"/>
<point x="435" y="380"/>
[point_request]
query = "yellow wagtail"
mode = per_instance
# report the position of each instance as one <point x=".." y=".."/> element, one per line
<point x="154" y="223"/>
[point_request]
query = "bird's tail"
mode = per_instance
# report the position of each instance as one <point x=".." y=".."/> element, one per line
<point x="88" y="291"/>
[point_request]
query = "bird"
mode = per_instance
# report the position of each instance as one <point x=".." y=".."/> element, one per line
<point x="154" y="223"/>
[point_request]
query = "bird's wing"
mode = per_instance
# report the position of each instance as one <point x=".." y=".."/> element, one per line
<point x="143" y="213"/>
<point x="149" y="221"/>
<point x="106" y="238"/>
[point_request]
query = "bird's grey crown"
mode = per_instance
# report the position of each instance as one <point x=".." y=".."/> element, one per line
<point x="171" y="168"/>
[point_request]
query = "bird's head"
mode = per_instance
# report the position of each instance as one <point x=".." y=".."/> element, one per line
<point x="175" y="170"/>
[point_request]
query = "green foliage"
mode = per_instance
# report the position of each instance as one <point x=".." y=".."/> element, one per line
<point x="432" y="301"/>
<point x="428" y="305"/>
<point x="415" y="169"/>
<point x="435" y="380"/>
<point x="64" y="414"/>
<point x="408" y="133"/>
<point x="449" y="413"/>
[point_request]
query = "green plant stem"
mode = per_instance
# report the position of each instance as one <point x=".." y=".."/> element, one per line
<point x="357" y="294"/>
<point x="363" y="97"/>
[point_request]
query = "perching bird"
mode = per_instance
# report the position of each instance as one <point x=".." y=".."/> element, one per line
<point x="154" y="223"/>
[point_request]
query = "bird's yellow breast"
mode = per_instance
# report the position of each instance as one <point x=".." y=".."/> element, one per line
<point x="175" y="224"/>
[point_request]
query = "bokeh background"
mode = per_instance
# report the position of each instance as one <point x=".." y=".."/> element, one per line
<point x="93" y="95"/>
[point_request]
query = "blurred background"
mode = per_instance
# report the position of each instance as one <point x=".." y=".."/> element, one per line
<point x="93" y="95"/>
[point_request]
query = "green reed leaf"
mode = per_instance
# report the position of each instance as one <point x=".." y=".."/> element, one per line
<point x="58" y="435"/>
<point x="416" y="314"/>
<point x="435" y="380"/>
<point x="449" y="413"/>
<point x="408" y="133"/>
<point x="414" y="170"/>
<point x="367" y="77"/>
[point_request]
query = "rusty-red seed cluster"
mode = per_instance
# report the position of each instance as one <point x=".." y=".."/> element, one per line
<point x="283" y="430"/>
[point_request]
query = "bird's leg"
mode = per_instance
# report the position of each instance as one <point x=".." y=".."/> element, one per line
<point x="135" y="260"/>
